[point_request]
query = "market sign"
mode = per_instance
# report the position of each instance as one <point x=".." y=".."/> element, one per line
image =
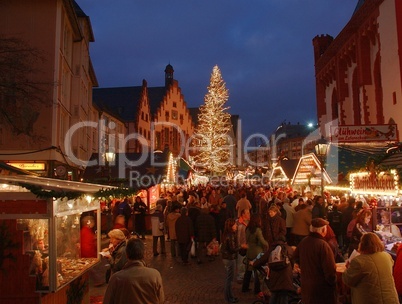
<point x="368" y="133"/>
<point x="383" y="183"/>
<point x="29" y="166"/>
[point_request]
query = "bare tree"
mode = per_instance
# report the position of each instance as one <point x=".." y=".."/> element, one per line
<point x="21" y="95"/>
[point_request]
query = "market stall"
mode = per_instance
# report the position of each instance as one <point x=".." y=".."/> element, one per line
<point x="46" y="228"/>
<point x="281" y="175"/>
<point x="380" y="191"/>
<point x="308" y="177"/>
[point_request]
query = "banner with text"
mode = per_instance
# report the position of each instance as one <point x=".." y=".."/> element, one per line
<point x="367" y="133"/>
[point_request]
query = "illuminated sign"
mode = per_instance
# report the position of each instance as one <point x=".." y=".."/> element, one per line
<point x="309" y="171"/>
<point x="366" y="133"/>
<point x="28" y="166"/>
<point x="371" y="183"/>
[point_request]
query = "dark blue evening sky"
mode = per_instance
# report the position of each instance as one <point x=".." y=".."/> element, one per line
<point x="263" y="48"/>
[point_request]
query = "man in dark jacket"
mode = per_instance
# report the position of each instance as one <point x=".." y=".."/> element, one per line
<point x="317" y="264"/>
<point x="206" y="229"/>
<point x="275" y="226"/>
<point x="184" y="234"/>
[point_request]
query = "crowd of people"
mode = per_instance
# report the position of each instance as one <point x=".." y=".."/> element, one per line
<point x="250" y="223"/>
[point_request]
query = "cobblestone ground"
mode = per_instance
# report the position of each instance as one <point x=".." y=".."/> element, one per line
<point x="194" y="283"/>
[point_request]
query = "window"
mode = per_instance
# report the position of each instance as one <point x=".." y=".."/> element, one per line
<point x="174" y="104"/>
<point x="174" y="114"/>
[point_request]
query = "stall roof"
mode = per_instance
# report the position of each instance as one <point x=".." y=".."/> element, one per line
<point x="53" y="184"/>
<point x="343" y="159"/>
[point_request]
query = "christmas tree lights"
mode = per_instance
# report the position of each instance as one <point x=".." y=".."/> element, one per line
<point x="213" y="143"/>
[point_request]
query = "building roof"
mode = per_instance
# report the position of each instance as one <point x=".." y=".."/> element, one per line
<point x="343" y="159"/>
<point x="143" y="173"/>
<point x="6" y="169"/>
<point x="52" y="183"/>
<point x="155" y="96"/>
<point x="120" y="101"/>
<point x="359" y="4"/>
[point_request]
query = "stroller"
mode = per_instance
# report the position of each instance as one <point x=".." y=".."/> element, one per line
<point x="294" y="297"/>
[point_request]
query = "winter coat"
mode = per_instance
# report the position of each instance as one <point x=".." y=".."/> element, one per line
<point x="370" y="278"/>
<point x="318" y="268"/>
<point x="118" y="257"/>
<point x="88" y="243"/>
<point x="230" y="247"/>
<point x="279" y="279"/>
<point x="193" y="213"/>
<point x="184" y="229"/>
<point x="206" y="229"/>
<point x="302" y="221"/>
<point x="136" y="282"/>
<point x="398" y="270"/>
<point x="275" y="228"/>
<point x="171" y="224"/>
<point x="243" y="203"/>
<point x="256" y="243"/>
<point x="157" y="222"/>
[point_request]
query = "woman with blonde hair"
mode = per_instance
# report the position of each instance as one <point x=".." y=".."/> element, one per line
<point x="369" y="275"/>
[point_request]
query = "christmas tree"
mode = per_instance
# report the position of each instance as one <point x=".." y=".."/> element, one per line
<point x="213" y="144"/>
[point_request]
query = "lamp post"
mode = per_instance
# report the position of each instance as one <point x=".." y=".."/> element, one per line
<point x="109" y="157"/>
<point x="321" y="150"/>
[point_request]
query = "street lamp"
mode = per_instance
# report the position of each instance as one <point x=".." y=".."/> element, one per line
<point x="321" y="150"/>
<point x="109" y="157"/>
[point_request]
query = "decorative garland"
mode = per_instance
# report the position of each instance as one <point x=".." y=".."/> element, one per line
<point x="106" y="193"/>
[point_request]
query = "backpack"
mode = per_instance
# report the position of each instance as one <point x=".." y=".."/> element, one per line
<point x="278" y="258"/>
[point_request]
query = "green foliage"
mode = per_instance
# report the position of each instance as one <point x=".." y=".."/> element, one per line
<point x="106" y="193"/>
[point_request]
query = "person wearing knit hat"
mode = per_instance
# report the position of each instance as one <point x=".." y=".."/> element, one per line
<point x="317" y="263"/>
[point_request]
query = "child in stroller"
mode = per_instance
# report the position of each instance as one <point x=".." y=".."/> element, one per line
<point x="283" y="284"/>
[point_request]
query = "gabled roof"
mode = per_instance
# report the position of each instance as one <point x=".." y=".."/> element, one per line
<point x="122" y="102"/>
<point x="81" y="14"/>
<point x="155" y="96"/>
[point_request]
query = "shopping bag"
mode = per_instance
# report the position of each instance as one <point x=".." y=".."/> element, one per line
<point x="192" y="249"/>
